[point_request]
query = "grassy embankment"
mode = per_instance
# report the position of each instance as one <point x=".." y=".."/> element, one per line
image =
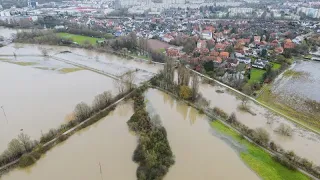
<point x="79" y="38"/>
<point x="258" y="160"/>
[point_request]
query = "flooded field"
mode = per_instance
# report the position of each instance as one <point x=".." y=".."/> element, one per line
<point x="303" y="143"/>
<point x="198" y="153"/>
<point x="36" y="100"/>
<point x="101" y="61"/>
<point x="108" y="143"/>
<point x="301" y="87"/>
<point x="7" y="33"/>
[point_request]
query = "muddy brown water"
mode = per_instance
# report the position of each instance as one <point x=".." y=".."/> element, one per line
<point x="108" y="143"/>
<point x="198" y="154"/>
<point x="37" y="100"/>
<point x="304" y="143"/>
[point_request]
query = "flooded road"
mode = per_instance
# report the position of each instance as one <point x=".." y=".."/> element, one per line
<point x="198" y="153"/>
<point x="37" y="100"/>
<point x="107" y="142"/>
<point x="303" y="143"/>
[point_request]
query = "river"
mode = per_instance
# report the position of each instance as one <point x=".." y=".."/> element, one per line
<point x="198" y="153"/>
<point x="108" y="143"/>
<point x="303" y="143"/>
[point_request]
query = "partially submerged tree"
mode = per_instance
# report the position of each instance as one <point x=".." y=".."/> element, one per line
<point x="183" y="75"/>
<point x="82" y="111"/>
<point x="44" y="52"/>
<point x="284" y="130"/>
<point x="101" y="101"/>
<point x="129" y="79"/>
<point x="261" y="136"/>
<point x="168" y="73"/>
<point x="26" y="142"/>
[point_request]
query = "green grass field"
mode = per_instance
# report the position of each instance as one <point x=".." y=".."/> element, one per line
<point x="256" y="75"/>
<point x="79" y="39"/>
<point x="258" y="160"/>
<point x="276" y="66"/>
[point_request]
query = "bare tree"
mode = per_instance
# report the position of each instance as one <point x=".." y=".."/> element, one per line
<point x="15" y="148"/>
<point x="195" y="86"/>
<point x="284" y="129"/>
<point x="129" y="79"/>
<point x="101" y="101"/>
<point x="120" y="85"/>
<point x="25" y="141"/>
<point x="183" y="76"/>
<point x="82" y="111"/>
<point x="44" y="52"/>
<point x="168" y="73"/>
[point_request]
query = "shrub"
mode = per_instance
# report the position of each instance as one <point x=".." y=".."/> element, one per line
<point x="62" y="137"/>
<point x="306" y="164"/>
<point x="261" y="136"/>
<point x="220" y="112"/>
<point x="273" y="146"/>
<point x="26" y="160"/>
<point x="284" y="130"/>
<point x="48" y="136"/>
<point x="285" y="162"/>
<point x="82" y="111"/>
<point x="232" y="118"/>
<point x="185" y="92"/>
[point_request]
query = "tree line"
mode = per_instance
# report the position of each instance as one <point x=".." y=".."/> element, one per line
<point x="153" y="153"/>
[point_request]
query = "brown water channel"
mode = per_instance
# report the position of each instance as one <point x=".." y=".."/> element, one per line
<point x="198" y="153"/>
<point x="37" y="100"/>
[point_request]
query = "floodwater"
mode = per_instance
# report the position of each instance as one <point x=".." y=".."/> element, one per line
<point x="306" y="86"/>
<point x="7" y="33"/>
<point x="112" y="64"/>
<point x="303" y="143"/>
<point x="108" y="143"/>
<point x="37" y="100"/>
<point x="198" y="153"/>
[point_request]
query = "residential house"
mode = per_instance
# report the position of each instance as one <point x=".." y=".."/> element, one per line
<point x="288" y="44"/>
<point x="257" y="39"/>
<point x="167" y="38"/>
<point x="278" y="50"/>
<point x="224" y="55"/>
<point x="206" y="34"/>
<point x="244" y="60"/>
<point x="173" y="52"/>
<point x="220" y="47"/>
<point x="260" y="64"/>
